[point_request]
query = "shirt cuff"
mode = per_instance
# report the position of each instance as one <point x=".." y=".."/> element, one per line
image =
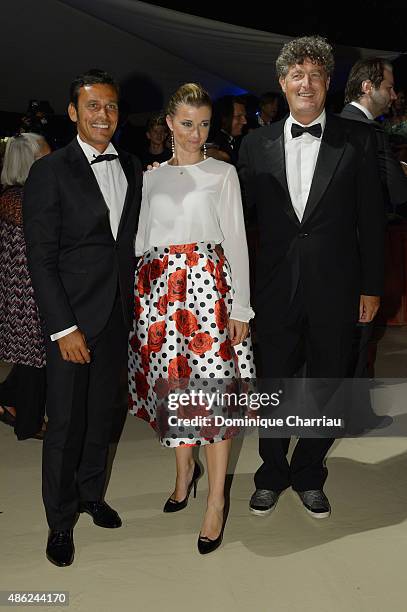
<point x="63" y="333"/>
<point x="240" y="313"/>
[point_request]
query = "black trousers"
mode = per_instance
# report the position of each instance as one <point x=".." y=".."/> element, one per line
<point x="24" y="389"/>
<point x="325" y="351"/>
<point x="81" y="405"/>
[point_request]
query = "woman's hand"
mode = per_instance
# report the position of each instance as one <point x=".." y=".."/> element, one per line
<point x="238" y="331"/>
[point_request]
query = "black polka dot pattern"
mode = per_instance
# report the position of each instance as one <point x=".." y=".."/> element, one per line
<point x="182" y="303"/>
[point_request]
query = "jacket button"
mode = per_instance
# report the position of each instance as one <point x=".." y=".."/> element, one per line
<point x="303" y="235"/>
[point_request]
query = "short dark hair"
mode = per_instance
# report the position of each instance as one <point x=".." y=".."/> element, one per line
<point x="224" y="111"/>
<point x="368" y="69"/>
<point x="154" y="120"/>
<point x="93" y="76"/>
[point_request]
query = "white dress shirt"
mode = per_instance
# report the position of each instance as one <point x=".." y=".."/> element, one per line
<point x="301" y="156"/>
<point x="363" y="109"/>
<point x="113" y="185"/>
<point x="198" y="203"/>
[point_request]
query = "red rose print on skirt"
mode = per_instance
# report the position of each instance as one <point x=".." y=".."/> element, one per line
<point x="141" y="385"/>
<point x="201" y="343"/>
<point x="221" y="283"/>
<point x="231" y="432"/>
<point x="177" y="286"/>
<point x="225" y="350"/>
<point x="209" y="431"/>
<point x="162" y="305"/>
<point x="210" y="266"/>
<point x="192" y="259"/>
<point x="179" y="372"/>
<point x="143" y="282"/>
<point x="145" y="358"/>
<point x="161" y="387"/>
<point x="192" y="410"/>
<point x="185" y="321"/>
<point x="221" y="314"/>
<point x="135" y="343"/>
<point x="182" y="248"/>
<point x="138" y="309"/>
<point x="156" y="336"/>
<point x="157" y="268"/>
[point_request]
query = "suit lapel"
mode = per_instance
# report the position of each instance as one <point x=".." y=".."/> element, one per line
<point x="275" y="152"/>
<point x="128" y="170"/>
<point x="87" y="180"/>
<point x="331" y="150"/>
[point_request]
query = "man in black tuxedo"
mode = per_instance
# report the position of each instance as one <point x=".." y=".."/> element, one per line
<point x="313" y="180"/>
<point x="369" y="94"/>
<point x="81" y="207"/>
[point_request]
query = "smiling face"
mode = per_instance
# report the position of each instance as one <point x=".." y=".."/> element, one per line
<point x="190" y="127"/>
<point x="305" y="87"/>
<point x="238" y="120"/>
<point x="96" y="114"/>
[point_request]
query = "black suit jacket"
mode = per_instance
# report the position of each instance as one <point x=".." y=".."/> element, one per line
<point x="336" y="252"/>
<point x="394" y="181"/>
<point x="75" y="263"/>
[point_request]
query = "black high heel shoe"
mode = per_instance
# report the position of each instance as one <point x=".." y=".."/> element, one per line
<point x="206" y="545"/>
<point x="172" y="505"/>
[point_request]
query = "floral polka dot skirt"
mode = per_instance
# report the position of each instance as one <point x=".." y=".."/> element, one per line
<point x="179" y="339"/>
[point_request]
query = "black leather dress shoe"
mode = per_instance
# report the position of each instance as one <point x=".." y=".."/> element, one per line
<point x="103" y="515"/>
<point x="60" y="548"/>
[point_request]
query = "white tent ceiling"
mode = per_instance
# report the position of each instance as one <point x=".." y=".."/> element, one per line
<point x="149" y="49"/>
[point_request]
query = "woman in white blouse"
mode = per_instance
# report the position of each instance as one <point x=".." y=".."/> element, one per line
<point x="192" y="305"/>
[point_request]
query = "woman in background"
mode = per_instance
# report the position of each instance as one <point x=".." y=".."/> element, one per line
<point x="22" y="395"/>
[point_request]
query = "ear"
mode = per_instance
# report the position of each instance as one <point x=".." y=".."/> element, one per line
<point x="169" y="121"/>
<point x="366" y="86"/>
<point x="281" y="80"/>
<point x="328" y="81"/>
<point x="72" y="112"/>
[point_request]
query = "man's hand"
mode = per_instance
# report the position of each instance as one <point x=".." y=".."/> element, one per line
<point x="238" y="331"/>
<point x="73" y="347"/>
<point x="368" y="307"/>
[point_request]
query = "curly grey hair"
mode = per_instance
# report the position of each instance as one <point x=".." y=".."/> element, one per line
<point x="315" y="48"/>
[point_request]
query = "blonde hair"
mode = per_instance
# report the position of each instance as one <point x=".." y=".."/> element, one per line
<point x="192" y="94"/>
<point x="20" y="154"/>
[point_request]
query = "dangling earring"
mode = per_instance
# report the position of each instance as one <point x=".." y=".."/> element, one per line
<point x="172" y="144"/>
<point x="204" y="150"/>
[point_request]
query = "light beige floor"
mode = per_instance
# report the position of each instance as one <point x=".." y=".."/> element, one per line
<point x="353" y="562"/>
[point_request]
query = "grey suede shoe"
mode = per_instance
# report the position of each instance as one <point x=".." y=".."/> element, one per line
<point x="316" y="503"/>
<point x="263" y="501"/>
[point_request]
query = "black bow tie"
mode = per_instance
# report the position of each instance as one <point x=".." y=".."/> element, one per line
<point x="314" y="130"/>
<point x="106" y="157"/>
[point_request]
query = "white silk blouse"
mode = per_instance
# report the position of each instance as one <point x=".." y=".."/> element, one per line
<point x="198" y="203"/>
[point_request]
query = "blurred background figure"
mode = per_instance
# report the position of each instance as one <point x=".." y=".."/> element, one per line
<point x="396" y="127"/>
<point x="369" y="95"/>
<point x="39" y="119"/>
<point x="22" y="395"/>
<point x="156" y="134"/>
<point x="269" y="109"/>
<point x="229" y="121"/>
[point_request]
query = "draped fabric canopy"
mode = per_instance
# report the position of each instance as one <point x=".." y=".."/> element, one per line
<point x="150" y="50"/>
